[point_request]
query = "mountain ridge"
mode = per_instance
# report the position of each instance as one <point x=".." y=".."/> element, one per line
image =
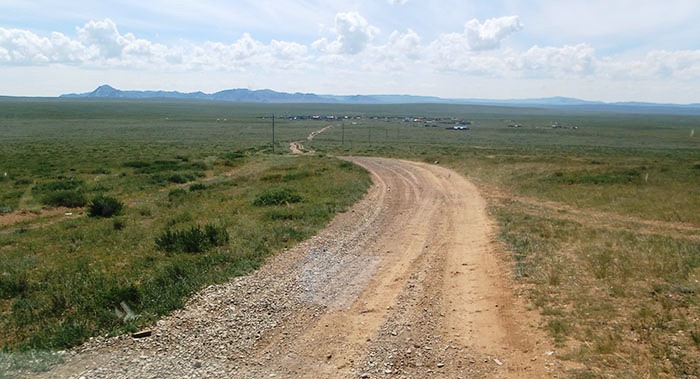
<point x="242" y="95"/>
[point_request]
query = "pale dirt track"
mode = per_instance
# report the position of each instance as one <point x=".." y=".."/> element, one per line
<point x="298" y="148"/>
<point x="405" y="284"/>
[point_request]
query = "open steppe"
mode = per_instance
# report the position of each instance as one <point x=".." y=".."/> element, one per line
<point x="501" y="251"/>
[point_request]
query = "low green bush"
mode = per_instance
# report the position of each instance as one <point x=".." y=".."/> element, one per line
<point x="58" y="185"/>
<point x="105" y="206"/>
<point x="198" y="187"/>
<point x="13" y="285"/>
<point x="610" y="177"/>
<point x="99" y="171"/>
<point x="193" y="240"/>
<point x="176" y="195"/>
<point x="118" y="224"/>
<point x="179" y="178"/>
<point x="136" y="164"/>
<point x="279" y="196"/>
<point x="68" y="199"/>
<point x="234" y="155"/>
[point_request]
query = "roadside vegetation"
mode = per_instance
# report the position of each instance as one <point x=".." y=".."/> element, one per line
<point x="600" y="226"/>
<point x="121" y="226"/>
<point x="600" y="223"/>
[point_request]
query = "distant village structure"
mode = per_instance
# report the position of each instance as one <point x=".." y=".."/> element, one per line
<point x="451" y="122"/>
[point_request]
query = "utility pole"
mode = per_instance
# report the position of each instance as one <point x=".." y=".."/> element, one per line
<point x="273" y="133"/>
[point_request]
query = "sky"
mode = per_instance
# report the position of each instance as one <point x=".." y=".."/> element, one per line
<point x="605" y="50"/>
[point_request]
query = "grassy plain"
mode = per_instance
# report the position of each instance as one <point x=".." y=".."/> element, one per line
<point x="190" y="170"/>
<point x="601" y="223"/>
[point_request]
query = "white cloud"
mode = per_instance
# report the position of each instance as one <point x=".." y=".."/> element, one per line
<point x="684" y="64"/>
<point x="457" y="51"/>
<point x="401" y="51"/>
<point x="661" y="64"/>
<point x="100" y="44"/>
<point x="557" y="61"/>
<point x="488" y="36"/>
<point x="22" y="47"/>
<point x="104" y="36"/>
<point x="405" y="43"/>
<point x="397" y="2"/>
<point x="247" y="53"/>
<point x="353" y="34"/>
<point x="107" y="45"/>
<point x="353" y="49"/>
<point x="447" y="49"/>
<point x="220" y="56"/>
<point x="288" y="50"/>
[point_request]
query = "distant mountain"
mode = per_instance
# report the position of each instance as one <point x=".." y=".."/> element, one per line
<point x="235" y="95"/>
<point x="549" y="101"/>
<point x="242" y="95"/>
<point x="254" y="96"/>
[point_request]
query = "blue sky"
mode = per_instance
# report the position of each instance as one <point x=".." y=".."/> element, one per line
<point x="616" y="50"/>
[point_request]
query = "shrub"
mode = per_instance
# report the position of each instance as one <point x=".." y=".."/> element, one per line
<point x="160" y="166"/>
<point x="178" y="178"/>
<point x="137" y="164"/>
<point x="99" y="171"/>
<point x="69" y="199"/>
<point x="597" y="178"/>
<point x="13" y="285"/>
<point x="119" y="225"/>
<point x="112" y="295"/>
<point x="59" y="185"/>
<point x="346" y="165"/>
<point x="198" y="187"/>
<point x="105" y="206"/>
<point x="193" y="240"/>
<point x="234" y="155"/>
<point x="198" y="166"/>
<point x="277" y="197"/>
<point x="284" y="214"/>
<point x="296" y="176"/>
<point x="168" y="241"/>
<point x="176" y="195"/>
<point x="217" y="235"/>
<point x="236" y="158"/>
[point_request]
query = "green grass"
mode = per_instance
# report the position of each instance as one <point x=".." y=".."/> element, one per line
<point x="153" y="168"/>
<point x="62" y="281"/>
<point x="601" y="221"/>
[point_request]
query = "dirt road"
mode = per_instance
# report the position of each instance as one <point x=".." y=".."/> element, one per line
<point x="298" y="148"/>
<point x="406" y="284"/>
